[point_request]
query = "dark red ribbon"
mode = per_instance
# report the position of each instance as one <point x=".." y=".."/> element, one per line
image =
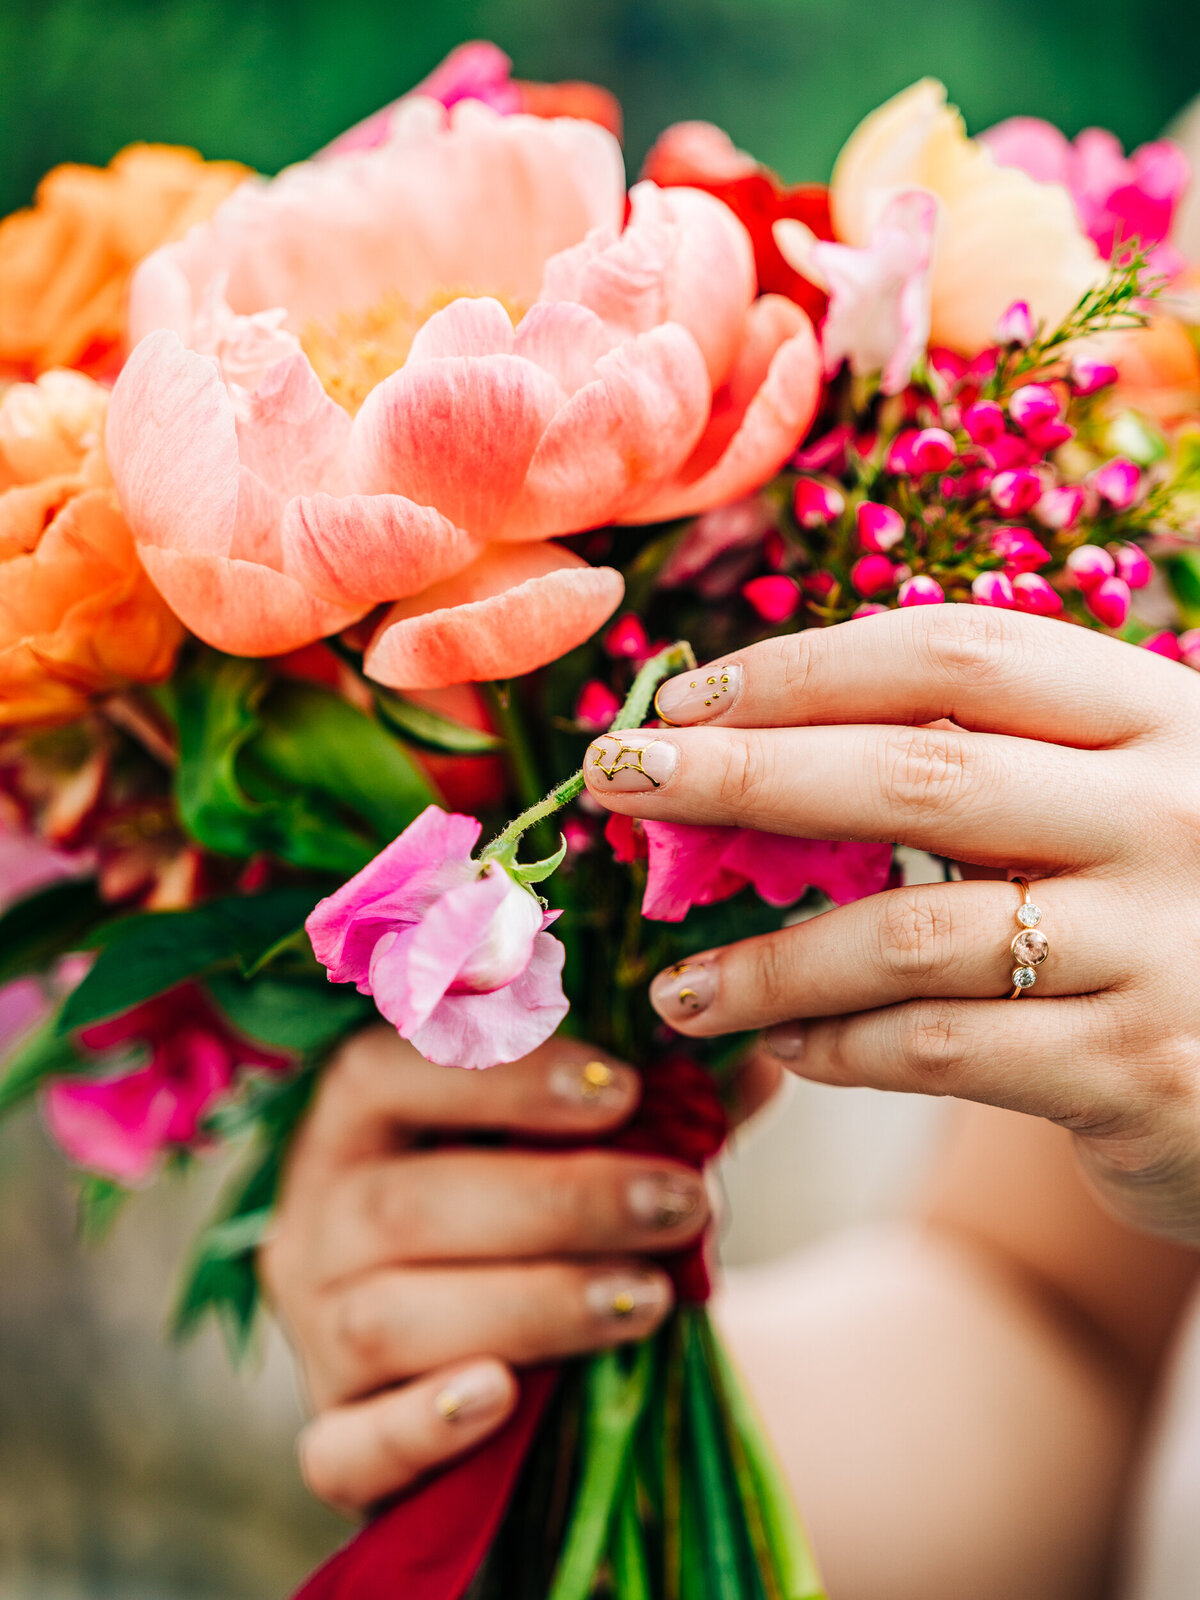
<point x="429" y="1544"/>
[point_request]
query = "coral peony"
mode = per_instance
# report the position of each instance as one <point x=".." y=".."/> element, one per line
<point x="480" y="70"/>
<point x="65" y="262"/>
<point x="121" y="1125"/>
<point x="1002" y="237"/>
<point x="78" y="615"/>
<point x="395" y="375"/>
<point x="692" y="865"/>
<point x="456" y="955"/>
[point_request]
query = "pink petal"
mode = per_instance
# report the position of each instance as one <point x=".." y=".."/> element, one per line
<point x="686" y="869"/>
<point x="117" y="1126"/>
<point x="474" y="326"/>
<point x="483" y="1030"/>
<point x="1036" y="147"/>
<point x="291" y="434"/>
<point x="758" y="418"/>
<point x="564" y="340"/>
<point x="367" y="548"/>
<point x="514" y="610"/>
<point x="782" y="869"/>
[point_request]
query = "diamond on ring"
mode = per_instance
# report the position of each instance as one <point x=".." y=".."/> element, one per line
<point x="1029" y="915"/>
<point x="1024" y="978"/>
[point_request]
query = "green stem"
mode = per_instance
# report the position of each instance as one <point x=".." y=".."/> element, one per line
<point x="678" y="657"/>
<point x="518" y="749"/>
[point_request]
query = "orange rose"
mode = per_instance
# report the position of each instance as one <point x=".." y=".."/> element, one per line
<point x="65" y="261"/>
<point x="78" y="615"/>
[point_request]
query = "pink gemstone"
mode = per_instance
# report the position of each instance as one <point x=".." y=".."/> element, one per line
<point x="1031" y="947"/>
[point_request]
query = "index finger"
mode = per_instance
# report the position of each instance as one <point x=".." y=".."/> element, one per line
<point x="988" y="670"/>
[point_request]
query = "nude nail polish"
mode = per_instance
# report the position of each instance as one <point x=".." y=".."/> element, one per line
<point x="697" y="696"/>
<point x="684" y="990"/>
<point x="664" y="1199"/>
<point x="630" y="763"/>
<point x="623" y="1297"/>
<point x="593" y="1085"/>
<point x="472" y="1394"/>
<point x="786" y="1041"/>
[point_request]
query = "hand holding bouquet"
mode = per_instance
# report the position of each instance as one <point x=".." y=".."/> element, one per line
<point x="429" y="462"/>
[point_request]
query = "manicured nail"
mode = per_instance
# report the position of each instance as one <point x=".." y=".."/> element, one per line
<point x="786" y="1042"/>
<point x="593" y="1085"/>
<point x="684" y="990"/>
<point x="473" y="1394"/>
<point x="627" y="1297"/>
<point x="630" y="763"/>
<point x="665" y="1199"/>
<point x="696" y="696"/>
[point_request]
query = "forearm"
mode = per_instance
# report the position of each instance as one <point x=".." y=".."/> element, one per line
<point x="946" y="1432"/>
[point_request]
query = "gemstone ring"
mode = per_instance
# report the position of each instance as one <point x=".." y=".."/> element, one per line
<point x="1029" y="947"/>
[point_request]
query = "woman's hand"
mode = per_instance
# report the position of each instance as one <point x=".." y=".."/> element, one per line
<point x="1069" y="758"/>
<point x="413" y="1277"/>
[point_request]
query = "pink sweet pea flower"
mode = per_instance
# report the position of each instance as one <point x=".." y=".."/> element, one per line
<point x="400" y="375"/>
<point x="879" y="296"/>
<point x="692" y="865"/>
<point x="121" y="1125"/>
<point x="1117" y="198"/>
<point x="456" y="955"/>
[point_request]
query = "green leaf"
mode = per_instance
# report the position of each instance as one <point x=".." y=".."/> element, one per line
<point x="308" y="1017"/>
<point x="146" y="954"/>
<point x="215" y="706"/>
<point x="732" y="1575"/>
<point x="43" y="1054"/>
<point x="538" y="871"/>
<point x="631" y="1573"/>
<point x="431" y="731"/>
<point x="100" y="1202"/>
<point x="35" y="931"/>
<point x="1183" y="574"/>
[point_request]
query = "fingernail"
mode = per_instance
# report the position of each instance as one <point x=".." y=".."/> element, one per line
<point x="472" y="1394"/>
<point x="593" y="1085"/>
<point x="786" y="1042"/>
<point x="630" y="763"/>
<point x="625" y="1297"/>
<point x="696" y="696"/>
<point x="665" y="1199"/>
<point x="684" y="990"/>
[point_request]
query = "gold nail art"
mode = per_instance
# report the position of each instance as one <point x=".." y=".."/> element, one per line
<point x="448" y="1404"/>
<point x="595" y="1078"/>
<point x="623" y="1303"/>
<point x="618" y="763"/>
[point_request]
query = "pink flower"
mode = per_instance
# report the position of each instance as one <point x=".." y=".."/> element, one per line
<point x="1189" y="647"/>
<point x="1109" y="601"/>
<point x="1032" y="405"/>
<point x="1090" y="565"/>
<point x="870" y="575"/>
<point x="1061" y="507"/>
<point x="1034" y="594"/>
<point x="1019" y="550"/>
<point x="879" y="527"/>
<point x="1117" y="198"/>
<point x="1118" y="481"/>
<point x="983" y="422"/>
<point x="627" y="639"/>
<point x="1134" y="565"/>
<point x="1015" y="325"/>
<point x="816" y="504"/>
<point x="920" y="591"/>
<point x="933" y="450"/>
<point x="1088" y="375"/>
<point x="399" y="375"/>
<point x="1164" y="643"/>
<point x="994" y="589"/>
<point x="774" y="598"/>
<point x="878" y="317"/>
<point x="121" y="1125"/>
<point x="1016" y="491"/>
<point x="596" y="706"/>
<point x="692" y="865"/>
<point x="456" y="955"/>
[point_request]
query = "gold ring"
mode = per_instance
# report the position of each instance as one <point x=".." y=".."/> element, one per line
<point x="1029" y="948"/>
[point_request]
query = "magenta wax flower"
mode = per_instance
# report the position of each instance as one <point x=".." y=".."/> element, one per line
<point x="1033" y="404"/>
<point x="692" y="865"/>
<point x="933" y="450"/>
<point x="1032" y="593"/>
<point x="774" y="598"/>
<point x="870" y="575"/>
<point x="1010" y="450"/>
<point x="122" y="1124"/>
<point x="1118" y="481"/>
<point x="826" y="453"/>
<point x="983" y="422"/>
<point x="626" y="639"/>
<point x="596" y="706"/>
<point x="994" y="589"/>
<point x="880" y="528"/>
<point x="1016" y="325"/>
<point x="1189" y="647"/>
<point x="1164" y="643"/>
<point x="1019" y="550"/>
<point x="869" y="608"/>
<point x="921" y="591"/>
<point x="1109" y="601"/>
<point x="817" y="504"/>
<point x="1134" y="565"/>
<point x="900" y="453"/>
<point x="1090" y="565"/>
<point x="1088" y="376"/>
<point x="455" y="954"/>
<point x="1061" y="507"/>
<point x="1016" y="491"/>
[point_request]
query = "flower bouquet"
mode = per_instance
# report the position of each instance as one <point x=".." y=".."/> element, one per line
<point x="351" y="512"/>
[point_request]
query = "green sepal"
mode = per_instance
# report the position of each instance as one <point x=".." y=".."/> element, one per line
<point x="538" y="871"/>
<point x="99" y="1202"/>
<point x="431" y="731"/>
<point x="35" y="931"/>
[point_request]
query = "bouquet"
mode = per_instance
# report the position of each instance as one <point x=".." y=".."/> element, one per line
<point x="346" y="514"/>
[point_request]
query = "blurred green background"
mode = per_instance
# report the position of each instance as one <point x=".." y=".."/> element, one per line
<point x="269" y="80"/>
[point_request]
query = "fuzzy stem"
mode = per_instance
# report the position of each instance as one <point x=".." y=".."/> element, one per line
<point x="678" y="657"/>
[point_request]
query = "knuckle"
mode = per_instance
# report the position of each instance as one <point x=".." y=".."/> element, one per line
<point x="923" y="769"/>
<point x="799" y="653"/>
<point x="914" y="933"/>
<point x="364" y="1331"/>
<point x="965" y="644"/>
<point x="929" y="1047"/>
<point x="748" y="776"/>
<point x="774" y="977"/>
<point x="317" y="1468"/>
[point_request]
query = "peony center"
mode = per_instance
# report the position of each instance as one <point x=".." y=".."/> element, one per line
<point x="359" y="349"/>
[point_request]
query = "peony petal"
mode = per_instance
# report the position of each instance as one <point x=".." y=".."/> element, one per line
<point x="483" y="1030"/>
<point x="457" y="433"/>
<point x="758" y="419"/>
<point x="514" y="610"/>
<point x="117" y="1126"/>
<point x="564" y="340"/>
<point x="172" y="447"/>
<point x="466" y="327"/>
<point x="356" y="548"/>
<point x="291" y="434"/>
